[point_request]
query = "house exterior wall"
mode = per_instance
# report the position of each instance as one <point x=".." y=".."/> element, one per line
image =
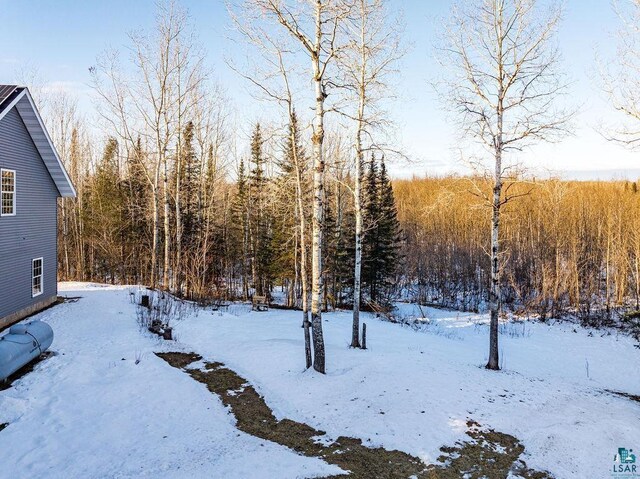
<point x="32" y="232"/>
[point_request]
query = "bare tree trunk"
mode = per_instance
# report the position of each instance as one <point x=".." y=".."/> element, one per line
<point x="367" y="63"/>
<point x="357" y="285"/>
<point x="65" y="236"/>
<point x="304" y="277"/>
<point x="500" y="51"/>
<point x="178" y="211"/>
<point x="494" y="292"/>
<point x="318" y="201"/>
<point x="322" y="50"/>
<point x="167" y="225"/>
<point x="156" y="232"/>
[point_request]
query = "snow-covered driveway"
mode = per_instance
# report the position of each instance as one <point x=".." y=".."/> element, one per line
<point x="88" y="413"/>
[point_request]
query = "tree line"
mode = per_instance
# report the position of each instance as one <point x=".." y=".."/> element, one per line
<point x="239" y="240"/>
<point x="174" y="195"/>
<point x="571" y="247"/>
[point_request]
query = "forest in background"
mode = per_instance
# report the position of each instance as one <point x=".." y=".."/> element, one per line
<point x="174" y="195"/>
<point x="571" y="247"/>
<point x="238" y="238"/>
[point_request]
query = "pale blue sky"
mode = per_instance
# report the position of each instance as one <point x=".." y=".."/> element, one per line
<point x="62" y="39"/>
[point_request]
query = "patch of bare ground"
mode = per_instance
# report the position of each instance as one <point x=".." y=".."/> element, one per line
<point x="632" y="397"/>
<point x="488" y="454"/>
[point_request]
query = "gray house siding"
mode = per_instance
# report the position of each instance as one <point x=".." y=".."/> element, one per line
<point x="31" y="233"/>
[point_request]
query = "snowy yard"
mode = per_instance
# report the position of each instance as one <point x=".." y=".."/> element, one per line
<point x="90" y="411"/>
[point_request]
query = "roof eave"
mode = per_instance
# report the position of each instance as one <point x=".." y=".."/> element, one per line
<point x="69" y="190"/>
<point x="72" y="193"/>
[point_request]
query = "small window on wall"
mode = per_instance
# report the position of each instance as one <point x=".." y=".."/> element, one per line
<point x="36" y="282"/>
<point x="8" y="192"/>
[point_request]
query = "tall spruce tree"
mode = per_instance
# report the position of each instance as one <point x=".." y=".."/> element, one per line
<point x="240" y="214"/>
<point x="190" y="172"/>
<point x="259" y="221"/>
<point x="137" y="196"/>
<point x="371" y="214"/>
<point x="188" y="167"/>
<point x="285" y="239"/>
<point x="389" y="232"/>
<point x="382" y="236"/>
<point x="105" y="215"/>
<point x="339" y="231"/>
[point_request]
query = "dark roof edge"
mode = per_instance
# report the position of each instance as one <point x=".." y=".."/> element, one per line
<point x="65" y="189"/>
<point x="7" y="102"/>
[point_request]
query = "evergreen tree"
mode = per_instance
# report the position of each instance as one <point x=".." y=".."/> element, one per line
<point x="135" y="189"/>
<point x="382" y="235"/>
<point x="338" y="234"/>
<point x="285" y="239"/>
<point x="190" y="172"/>
<point x="105" y="215"/>
<point x="389" y="232"/>
<point x="371" y="214"/>
<point x="240" y="231"/>
<point x="259" y="221"/>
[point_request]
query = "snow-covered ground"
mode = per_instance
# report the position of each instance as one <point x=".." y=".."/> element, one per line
<point x="91" y="412"/>
<point x="88" y="413"/>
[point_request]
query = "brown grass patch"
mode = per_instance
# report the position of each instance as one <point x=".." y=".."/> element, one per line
<point x="487" y="454"/>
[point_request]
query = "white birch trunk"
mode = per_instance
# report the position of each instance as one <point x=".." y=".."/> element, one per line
<point x="304" y="276"/>
<point x="167" y="225"/>
<point x="357" y="273"/>
<point x="318" y="201"/>
<point x="494" y="292"/>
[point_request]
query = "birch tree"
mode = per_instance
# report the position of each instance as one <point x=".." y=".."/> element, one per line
<point x="314" y="27"/>
<point x="190" y="74"/>
<point x="153" y="97"/>
<point x="150" y="102"/>
<point x="621" y="78"/>
<point x="504" y="83"/>
<point x="367" y="63"/>
<point x="273" y="82"/>
<point x="63" y="125"/>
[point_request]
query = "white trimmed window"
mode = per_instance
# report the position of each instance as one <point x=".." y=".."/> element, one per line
<point x="36" y="277"/>
<point x="7" y="192"/>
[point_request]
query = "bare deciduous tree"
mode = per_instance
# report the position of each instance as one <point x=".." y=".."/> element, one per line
<point x="151" y="103"/>
<point x="366" y="64"/>
<point x="504" y="84"/>
<point x="621" y="78"/>
<point x="272" y="79"/>
<point x="314" y="26"/>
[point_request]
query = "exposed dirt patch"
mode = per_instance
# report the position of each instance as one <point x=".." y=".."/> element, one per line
<point x="633" y="397"/>
<point x="488" y="454"/>
<point x="180" y="360"/>
<point x="256" y="418"/>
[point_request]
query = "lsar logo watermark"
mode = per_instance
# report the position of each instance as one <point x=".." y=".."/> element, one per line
<point x="624" y="464"/>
